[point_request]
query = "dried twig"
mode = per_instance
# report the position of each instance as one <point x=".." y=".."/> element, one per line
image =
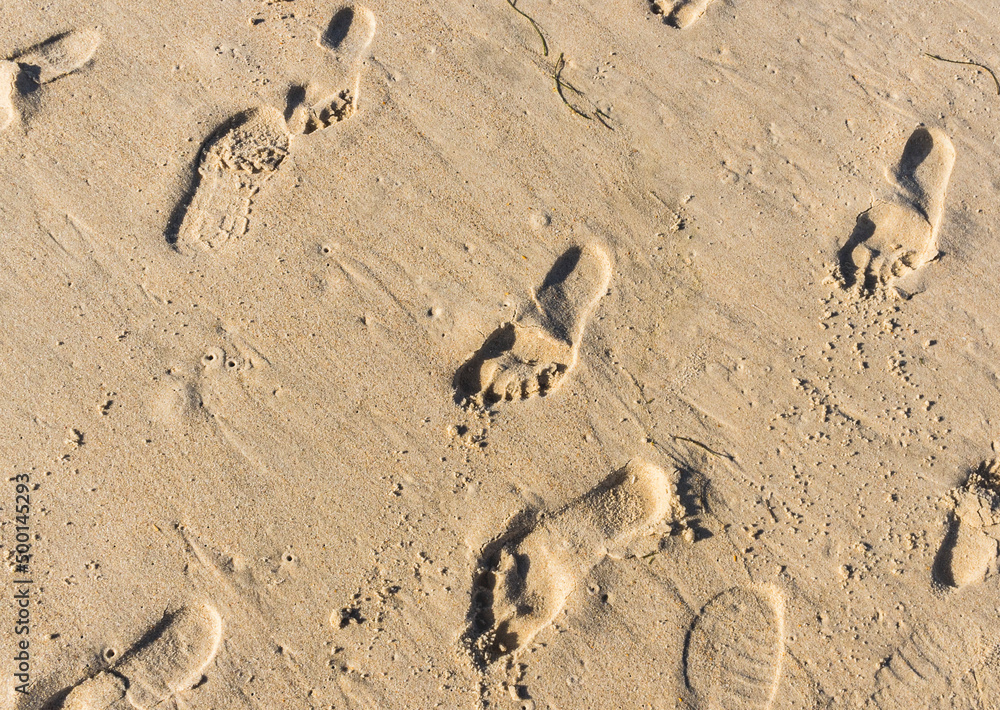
<point x="968" y="63"/>
<point x="545" y="45"/>
<point x="600" y="116"/>
<point x="560" y="65"/>
<point x="703" y="446"/>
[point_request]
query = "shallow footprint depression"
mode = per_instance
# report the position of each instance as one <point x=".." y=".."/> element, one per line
<point x="533" y="355"/>
<point x="346" y="40"/>
<point x="60" y="55"/>
<point x="169" y="660"/>
<point x="235" y="163"/>
<point x="524" y="584"/>
<point x="349" y="33"/>
<point x="972" y="544"/>
<point x="734" y="650"/>
<point x="682" y="13"/>
<point x="898" y="234"/>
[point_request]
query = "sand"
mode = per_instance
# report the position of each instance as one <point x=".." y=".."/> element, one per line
<point x="533" y="354"/>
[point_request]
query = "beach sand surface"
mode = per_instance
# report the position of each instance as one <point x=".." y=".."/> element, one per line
<point x="494" y="354"/>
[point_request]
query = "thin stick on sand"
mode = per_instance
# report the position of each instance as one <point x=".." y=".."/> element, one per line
<point x="703" y="446"/>
<point x="600" y="116"/>
<point x="968" y="63"/>
<point x="545" y="45"/>
<point x="560" y="64"/>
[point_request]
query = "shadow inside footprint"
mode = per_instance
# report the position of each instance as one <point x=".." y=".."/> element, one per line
<point x="864" y="228"/>
<point x="554" y="288"/>
<point x="562" y="267"/>
<point x="917" y="149"/>
<point x="514" y="363"/>
<point x="338" y="29"/>
<point x="173" y="230"/>
<point x="28" y="79"/>
<point x="692" y="491"/>
<point x="57" y="700"/>
<point x="294" y="100"/>
<point x="941" y="570"/>
<point x="486" y="640"/>
<point x="349" y="33"/>
<point x="468" y="381"/>
<point x="151" y="635"/>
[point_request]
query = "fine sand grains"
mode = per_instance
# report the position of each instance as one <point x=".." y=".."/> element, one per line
<point x="254" y="256"/>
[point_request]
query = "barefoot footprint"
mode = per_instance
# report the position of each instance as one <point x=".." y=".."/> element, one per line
<point x="524" y="584"/>
<point x="898" y="234"/>
<point x="349" y="33"/>
<point x="235" y="163"/>
<point x="734" y="650"/>
<point x="680" y="13"/>
<point x="44" y="63"/>
<point x="347" y="38"/>
<point x="534" y="354"/>
<point x="167" y="661"/>
<point x="970" y="548"/>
